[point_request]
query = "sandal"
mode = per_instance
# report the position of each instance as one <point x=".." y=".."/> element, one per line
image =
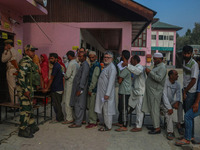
<point x="102" y="129"/>
<point x="74" y="126"/>
<point x="136" y="129"/>
<point x="194" y="141"/>
<point x="83" y="122"/>
<point x="170" y="136"/>
<point x="182" y="142"/>
<point x="67" y="122"/>
<point x="121" y="129"/>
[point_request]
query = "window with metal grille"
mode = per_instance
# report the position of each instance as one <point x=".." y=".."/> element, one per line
<point x="141" y="40"/>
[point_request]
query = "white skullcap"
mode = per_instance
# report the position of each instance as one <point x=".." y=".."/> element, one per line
<point x="158" y="55"/>
<point x="92" y="53"/>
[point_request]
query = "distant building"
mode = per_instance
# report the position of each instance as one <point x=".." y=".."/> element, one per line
<point x="157" y="37"/>
<point x="163" y="39"/>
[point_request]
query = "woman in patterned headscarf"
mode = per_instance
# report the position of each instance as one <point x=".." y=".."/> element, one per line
<point x="44" y="70"/>
<point x="62" y="64"/>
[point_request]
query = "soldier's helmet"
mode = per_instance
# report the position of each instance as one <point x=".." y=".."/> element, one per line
<point x="30" y="47"/>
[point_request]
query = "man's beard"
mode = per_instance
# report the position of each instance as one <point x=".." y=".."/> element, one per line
<point x="186" y="58"/>
<point x="52" y="62"/>
<point x="107" y="63"/>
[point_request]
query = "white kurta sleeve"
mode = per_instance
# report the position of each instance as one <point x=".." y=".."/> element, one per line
<point x="178" y="92"/>
<point x="13" y="54"/>
<point x="134" y="69"/>
<point x="69" y="71"/>
<point x="165" y="98"/>
<point x="111" y="81"/>
<point x="159" y="75"/>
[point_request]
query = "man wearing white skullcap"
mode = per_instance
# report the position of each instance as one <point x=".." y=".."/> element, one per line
<point x="153" y="92"/>
<point x="158" y="55"/>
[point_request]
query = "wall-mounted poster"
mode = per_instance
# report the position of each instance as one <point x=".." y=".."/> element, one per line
<point x="20" y="51"/>
<point x="19" y="42"/>
<point x="75" y="48"/>
<point x="4" y="35"/>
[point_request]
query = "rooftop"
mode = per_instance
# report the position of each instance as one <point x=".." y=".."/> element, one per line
<point x="162" y="25"/>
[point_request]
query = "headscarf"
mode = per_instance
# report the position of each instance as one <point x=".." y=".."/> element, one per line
<point x="36" y="60"/>
<point x="44" y="68"/>
<point x="61" y="63"/>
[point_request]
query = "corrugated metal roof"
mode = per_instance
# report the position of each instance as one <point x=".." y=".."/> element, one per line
<point x="162" y="25"/>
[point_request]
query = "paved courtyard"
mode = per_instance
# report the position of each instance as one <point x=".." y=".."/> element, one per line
<point x="60" y="137"/>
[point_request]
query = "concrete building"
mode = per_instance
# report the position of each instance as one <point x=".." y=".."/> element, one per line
<point x="163" y="39"/>
<point x="96" y="25"/>
<point x="157" y="37"/>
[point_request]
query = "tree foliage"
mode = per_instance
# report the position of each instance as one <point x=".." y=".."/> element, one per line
<point x="190" y="37"/>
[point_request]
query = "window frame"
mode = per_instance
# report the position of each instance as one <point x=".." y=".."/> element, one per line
<point x="141" y="41"/>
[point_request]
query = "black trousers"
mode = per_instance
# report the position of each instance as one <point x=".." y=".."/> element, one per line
<point x="57" y="99"/>
<point x="123" y="109"/>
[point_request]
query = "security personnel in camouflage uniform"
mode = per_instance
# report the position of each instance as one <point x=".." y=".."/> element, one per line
<point x="25" y="91"/>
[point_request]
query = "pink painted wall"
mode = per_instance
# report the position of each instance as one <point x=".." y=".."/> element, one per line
<point x="17" y="29"/>
<point x="64" y="36"/>
<point x="147" y="49"/>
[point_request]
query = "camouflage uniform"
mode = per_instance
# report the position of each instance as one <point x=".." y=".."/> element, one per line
<point x="24" y="84"/>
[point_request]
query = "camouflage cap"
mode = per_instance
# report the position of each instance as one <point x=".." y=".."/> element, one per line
<point x="30" y="47"/>
<point x="8" y="41"/>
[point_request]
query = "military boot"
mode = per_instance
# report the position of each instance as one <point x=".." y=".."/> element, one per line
<point x="25" y="133"/>
<point x="34" y="128"/>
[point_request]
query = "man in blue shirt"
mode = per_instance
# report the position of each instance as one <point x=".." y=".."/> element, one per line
<point x="190" y="115"/>
<point x="56" y="85"/>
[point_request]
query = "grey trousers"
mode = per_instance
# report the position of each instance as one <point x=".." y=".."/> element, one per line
<point x="79" y="114"/>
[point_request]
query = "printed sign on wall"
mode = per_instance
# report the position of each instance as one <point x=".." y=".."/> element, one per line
<point x="6" y="25"/>
<point x="75" y="48"/>
<point x="20" y="51"/>
<point x="19" y="42"/>
<point x="4" y="35"/>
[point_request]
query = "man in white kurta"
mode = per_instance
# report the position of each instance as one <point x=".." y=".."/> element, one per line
<point x="137" y="91"/>
<point x="153" y="91"/>
<point x="105" y="99"/>
<point x="11" y="57"/>
<point x="169" y="102"/>
<point x="69" y="77"/>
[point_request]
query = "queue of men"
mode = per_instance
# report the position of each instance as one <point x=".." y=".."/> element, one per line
<point x="85" y="85"/>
